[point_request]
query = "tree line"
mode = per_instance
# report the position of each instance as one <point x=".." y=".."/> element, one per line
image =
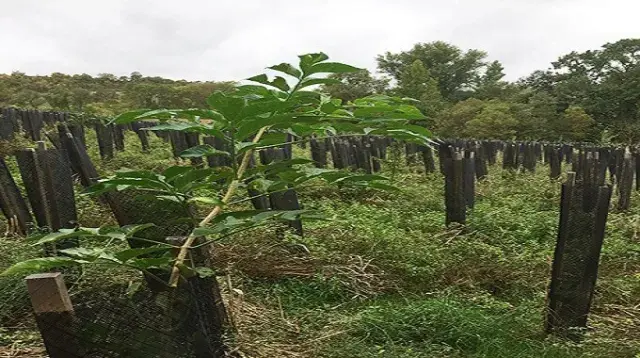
<point x="104" y="94"/>
<point x="592" y="95"/>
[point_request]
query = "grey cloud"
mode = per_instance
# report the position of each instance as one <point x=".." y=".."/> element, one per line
<point x="222" y="40"/>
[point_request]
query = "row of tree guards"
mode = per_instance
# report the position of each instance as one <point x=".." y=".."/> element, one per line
<point x="595" y="172"/>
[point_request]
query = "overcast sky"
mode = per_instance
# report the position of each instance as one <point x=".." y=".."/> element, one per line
<point x="226" y="40"/>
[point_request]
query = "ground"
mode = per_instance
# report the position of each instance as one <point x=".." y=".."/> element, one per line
<point x="385" y="278"/>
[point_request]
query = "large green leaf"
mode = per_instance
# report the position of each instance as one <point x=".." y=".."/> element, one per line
<point x="309" y="59"/>
<point x="60" y="235"/>
<point x="129" y="117"/>
<point x="287" y="69"/>
<point x="186" y="181"/>
<point x="331" y="67"/>
<point x="40" y="265"/>
<point x="278" y="82"/>
<point x="88" y="254"/>
<point x="206" y="200"/>
<point x="206" y="129"/>
<point x="319" y="81"/>
<point x="172" y="172"/>
<point x="130" y="230"/>
<point x="202" y="150"/>
<point x="229" y="106"/>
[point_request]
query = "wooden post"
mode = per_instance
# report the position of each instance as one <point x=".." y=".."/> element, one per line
<point x="318" y="153"/>
<point x="469" y="179"/>
<point x="427" y="159"/>
<point x="335" y="153"/>
<point x="105" y="140"/>
<point x="7" y="128"/>
<point x="54" y="315"/>
<point x="625" y="182"/>
<point x="138" y="128"/>
<point x="285" y="200"/>
<point x="555" y="162"/>
<point x="509" y="157"/>
<point x="118" y="136"/>
<point x="454" y="190"/>
<point x="480" y="162"/>
<point x="376" y="154"/>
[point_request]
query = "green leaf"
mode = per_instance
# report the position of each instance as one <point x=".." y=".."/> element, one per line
<point x="157" y="114"/>
<point x="202" y="150"/>
<point x="203" y="128"/>
<point x="309" y="59"/>
<point x="331" y="67"/>
<point x="262" y="106"/>
<point x="152" y="197"/>
<point x="130" y="230"/>
<point x="204" y="231"/>
<point x="319" y="81"/>
<point x="60" y="235"/>
<point x="88" y="254"/>
<point x="229" y="106"/>
<point x="172" y="172"/>
<point x="129" y="117"/>
<point x="204" y="272"/>
<point x="287" y="69"/>
<point x="142" y="183"/>
<point x="261" y="184"/>
<point x="185" y="182"/>
<point x="360" y="177"/>
<point x="40" y="264"/>
<point x="244" y="146"/>
<point x="203" y="114"/>
<point x="278" y="81"/>
<point x="206" y="200"/>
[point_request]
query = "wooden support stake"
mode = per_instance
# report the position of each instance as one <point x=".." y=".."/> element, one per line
<point x="54" y="315"/>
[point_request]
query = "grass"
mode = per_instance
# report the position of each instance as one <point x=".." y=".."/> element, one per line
<point x="385" y="278"/>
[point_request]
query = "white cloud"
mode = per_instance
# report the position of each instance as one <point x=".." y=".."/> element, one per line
<point x="221" y="40"/>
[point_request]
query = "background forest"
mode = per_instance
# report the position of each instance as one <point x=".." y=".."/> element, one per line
<point x="583" y="96"/>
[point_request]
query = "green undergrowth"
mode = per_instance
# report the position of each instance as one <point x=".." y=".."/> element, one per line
<point x="385" y="278"/>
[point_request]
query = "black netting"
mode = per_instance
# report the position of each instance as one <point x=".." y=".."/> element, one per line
<point x="184" y="322"/>
<point x="583" y="215"/>
<point x="13" y="205"/>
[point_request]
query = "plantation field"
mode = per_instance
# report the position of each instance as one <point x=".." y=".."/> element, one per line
<point x="383" y="277"/>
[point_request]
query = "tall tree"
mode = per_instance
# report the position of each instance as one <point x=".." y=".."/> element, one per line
<point x="452" y="122"/>
<point x="495" y="120"/>
<point x="456" y="71"/>
<point x="416" y="82"/>
<point x="604" y="82"/>
<point x="491" y="84"/>
<point x="575" y="124"/>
